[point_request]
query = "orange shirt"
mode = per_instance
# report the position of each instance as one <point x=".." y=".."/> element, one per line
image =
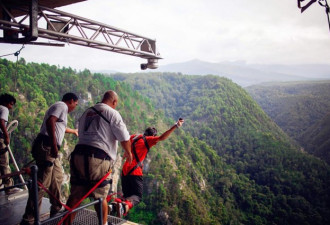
<point x="141" y="151"/>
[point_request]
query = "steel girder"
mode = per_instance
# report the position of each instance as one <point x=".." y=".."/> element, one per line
<point x="39" y="21"/>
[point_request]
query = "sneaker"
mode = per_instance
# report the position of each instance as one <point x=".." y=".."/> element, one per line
<point x="13" y="191"/>
<point x="121" y="210"/>
<point x="56" y="212"/>
<point x="112" y="209"/>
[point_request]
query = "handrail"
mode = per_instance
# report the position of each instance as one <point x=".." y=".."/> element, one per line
<point x="98" y="201"/>
<point x="33" y="189"/>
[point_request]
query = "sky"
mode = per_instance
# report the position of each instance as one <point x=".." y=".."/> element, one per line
<point x="255" y="31"/>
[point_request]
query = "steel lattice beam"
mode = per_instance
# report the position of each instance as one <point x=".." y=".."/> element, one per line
<point x="60" y="26"/>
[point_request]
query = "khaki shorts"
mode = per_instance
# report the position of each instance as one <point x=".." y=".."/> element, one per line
<point x="98" y="168"/>
<point x="4" y="165"/>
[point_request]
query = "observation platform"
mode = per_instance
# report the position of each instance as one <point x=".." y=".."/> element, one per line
<point x="12" y="208"/>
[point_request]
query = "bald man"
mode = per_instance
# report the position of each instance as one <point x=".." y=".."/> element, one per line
<point x="100" y="129"/>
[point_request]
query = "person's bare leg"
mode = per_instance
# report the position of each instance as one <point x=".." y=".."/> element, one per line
<point x="71" y="202"/>
<point x="104" y="210"/>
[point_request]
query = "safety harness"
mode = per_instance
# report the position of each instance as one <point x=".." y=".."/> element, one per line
<point x="139" y="163"/>
<point x="100" y="114"/>
<point x="89" y="151"/>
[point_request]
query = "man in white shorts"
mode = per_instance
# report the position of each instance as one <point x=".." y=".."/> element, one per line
<point x="100" y="129"/>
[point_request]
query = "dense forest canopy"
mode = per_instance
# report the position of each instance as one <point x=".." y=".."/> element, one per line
<point x="229" y="164"/>
<point x="301" y="109"/>
<point x="228" y="119"/>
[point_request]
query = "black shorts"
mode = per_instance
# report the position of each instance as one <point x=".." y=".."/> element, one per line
<point x="132" y="188"/>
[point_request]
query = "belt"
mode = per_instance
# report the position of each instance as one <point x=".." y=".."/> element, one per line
<point x="91" y="152"/>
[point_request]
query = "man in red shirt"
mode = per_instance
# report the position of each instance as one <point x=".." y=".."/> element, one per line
<point x="132" y="175"/>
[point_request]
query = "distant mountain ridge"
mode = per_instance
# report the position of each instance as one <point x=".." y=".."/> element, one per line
<point x="250" y="74"/>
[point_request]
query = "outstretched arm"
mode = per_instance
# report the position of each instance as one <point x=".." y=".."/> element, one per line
<point x="167" y="133"/>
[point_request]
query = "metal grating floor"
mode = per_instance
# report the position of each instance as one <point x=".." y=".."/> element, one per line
<point x="12" y="209"/>
<point x="87" y="216"/>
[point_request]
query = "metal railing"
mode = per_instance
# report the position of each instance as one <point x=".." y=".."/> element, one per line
<point x="32" y="185"/>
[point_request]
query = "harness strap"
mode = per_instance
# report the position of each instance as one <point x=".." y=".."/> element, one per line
<point x="87" y="152"/>
<point x="90" y="183"/>
<point x="111" y="196"/>
<point x="85" y="196"/>
<point x="28" y="171"/>
<point x="12" y="174"/>
<point x="139" y="163"/>
<point x="53" y="196"/>
<point x="100" y="114"/>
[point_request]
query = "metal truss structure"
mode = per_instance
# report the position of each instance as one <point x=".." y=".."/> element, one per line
<point x="324" y="3"/>
<point x="26" y="21"/>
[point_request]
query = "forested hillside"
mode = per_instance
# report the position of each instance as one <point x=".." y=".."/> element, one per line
<point x="229" y="164"/>
<point x="179" y="185"/>
<point x="316" y="139"/>
<point x="224" y="115"/>
<point x="301" y="109"/>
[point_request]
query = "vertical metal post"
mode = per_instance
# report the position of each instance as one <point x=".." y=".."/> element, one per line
<point x="6" y="17"/>
<point x="34" y="192"/>
<point x="100" y="213"/>
<point x="30" y="34"/>
<point x="33" y="33"/>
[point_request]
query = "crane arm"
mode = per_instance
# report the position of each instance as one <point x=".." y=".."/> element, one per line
<point x="40" y="21"/>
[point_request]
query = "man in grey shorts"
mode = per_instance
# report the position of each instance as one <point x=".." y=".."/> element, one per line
<point x="45" y="151"/>
<point x="100" y="129"/>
